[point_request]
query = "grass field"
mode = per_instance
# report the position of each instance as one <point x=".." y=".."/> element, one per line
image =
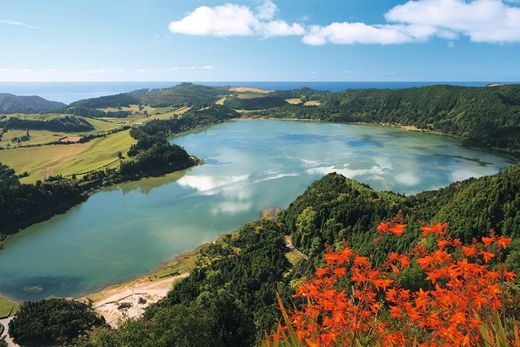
<point x="250" y="95"/>
<point x="7" y="307"/>
<point x="312" y="103"/>
<point x="100" y="125"/>
<point x="37" y="137"/>
<point x="249" y="90"/>
<point x="294" y="101"/>
<point x="34" y="116"/>
<point x="79" y="158"/>
<point x="44" y="161"/>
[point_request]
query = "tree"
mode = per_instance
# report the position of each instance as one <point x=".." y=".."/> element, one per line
<point x="52" y="322"/>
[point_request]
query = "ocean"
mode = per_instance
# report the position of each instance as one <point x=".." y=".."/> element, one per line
<point x="68" y="92"/>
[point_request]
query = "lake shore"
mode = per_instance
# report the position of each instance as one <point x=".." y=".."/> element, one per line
<point x="261" y="179"/>
<point x="129" y="299"/>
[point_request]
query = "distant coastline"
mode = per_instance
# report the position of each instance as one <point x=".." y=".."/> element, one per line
<point x="68" y="92"/>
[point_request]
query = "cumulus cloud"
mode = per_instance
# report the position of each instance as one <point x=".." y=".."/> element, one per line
<point x="267" y="10"/>
<point x="480" y="20"/>
<point x="235" y="20"/>
<point x="350" y="33"/>
<point x="491" y="21"/>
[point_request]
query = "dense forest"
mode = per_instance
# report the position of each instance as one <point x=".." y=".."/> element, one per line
<point x="254" y="103"/>
<point x="24" y="204"/>
<point x="60" y="123"/>
<point x="334" y="209"/>
<point x="118" y="100"/>
<point x="58" y="322"/>
<point x="10" y="103"/>
<point x="179" y="95"/>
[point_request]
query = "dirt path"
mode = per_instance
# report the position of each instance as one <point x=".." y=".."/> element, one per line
<point x="289" y="244"/>
<point x="5" y="323"/>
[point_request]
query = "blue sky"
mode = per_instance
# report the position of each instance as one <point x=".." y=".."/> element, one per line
<point x="279" y="40"/>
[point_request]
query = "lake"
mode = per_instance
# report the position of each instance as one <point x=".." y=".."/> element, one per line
<point x="128" y="230"/>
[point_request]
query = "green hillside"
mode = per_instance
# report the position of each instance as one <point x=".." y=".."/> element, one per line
<point x="10" y="103"/>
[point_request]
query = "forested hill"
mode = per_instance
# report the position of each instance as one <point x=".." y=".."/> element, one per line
<point x="335" y="208"/>
<point x="10" y="103"/>
<point x="179" y="95"/>
<point x="486" y="117"/>
<point x="482" y="115"/>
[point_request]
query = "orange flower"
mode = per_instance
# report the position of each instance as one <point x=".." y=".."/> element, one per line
<point x="320" y="272"/>
<point x="340" y="272"/>
<point x="487" y="256"/>
<point x="487" y="240"/>
<point x="503" y="242"/>
<point x="373" y="306"/>
<point x="469" y="251"/>
<point x="383" y="227"/>
<point x="397" y="229"/>
<point x="391" y="227"/>
<point x="437" y="229"/>
<point x="361" y="261"/>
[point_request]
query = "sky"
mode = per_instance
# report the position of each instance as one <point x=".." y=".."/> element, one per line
<point x="258" y="40"/>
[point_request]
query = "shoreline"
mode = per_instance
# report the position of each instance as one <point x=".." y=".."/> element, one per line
<point x="408" y="128"/>
<point x="128" y="299"/>
<point x="85" y="195"/>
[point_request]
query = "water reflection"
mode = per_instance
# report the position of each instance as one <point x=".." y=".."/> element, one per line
<point x="128" y="230"/>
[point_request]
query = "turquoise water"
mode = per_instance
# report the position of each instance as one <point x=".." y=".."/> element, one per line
<point x="129" y="230"/>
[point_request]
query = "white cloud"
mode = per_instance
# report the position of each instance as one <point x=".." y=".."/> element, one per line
<point x="235" y="20"/>
<point x="350" y="33"/>
<point x="280" y="28"/>
<point x="17" y="23"/>
<point x="480" y="20"/>
<point x="267" y="10"/>
<point x="492" y="21"/>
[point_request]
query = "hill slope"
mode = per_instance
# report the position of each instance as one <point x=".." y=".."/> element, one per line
<point x="336" y="208"/>
<point x="10" y="103"/>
